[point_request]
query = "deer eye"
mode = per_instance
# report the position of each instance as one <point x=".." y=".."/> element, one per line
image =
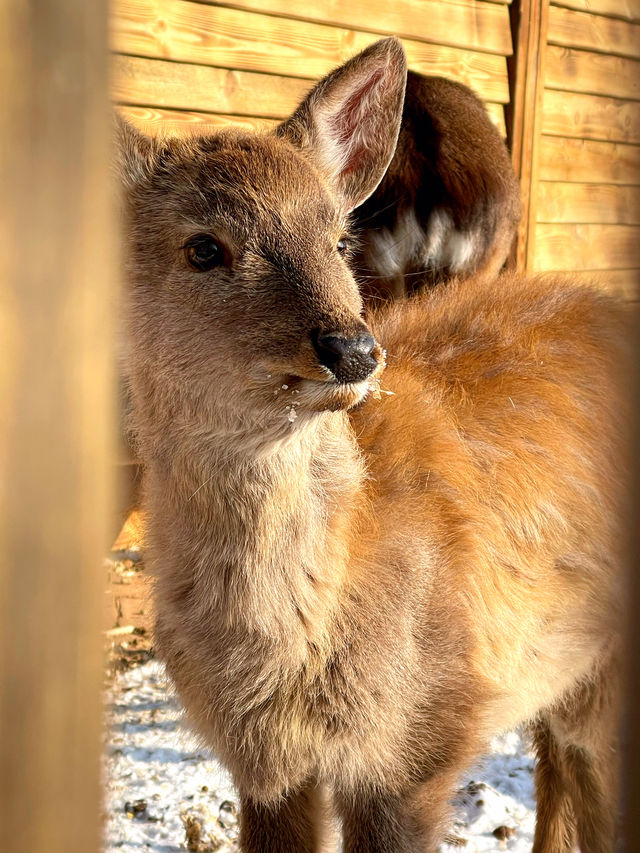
<point x="342" y="245"/>
<point x="203" y="252"/>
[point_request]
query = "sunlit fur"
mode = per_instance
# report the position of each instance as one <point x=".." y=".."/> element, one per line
<point x="354" y="599"/>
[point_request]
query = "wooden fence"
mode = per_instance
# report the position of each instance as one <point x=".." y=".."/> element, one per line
<point x="587" y="202"/>
<point x="568" y="78"/>
<point x="57" y="286"/>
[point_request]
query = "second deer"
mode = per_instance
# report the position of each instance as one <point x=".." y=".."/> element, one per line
<point x="449" y="203"/>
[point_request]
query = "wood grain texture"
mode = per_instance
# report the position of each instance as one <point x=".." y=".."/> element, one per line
<point x="58" y="286"/>
<point x="587" y="247"/>
<point x="585" y="161"/>
<point x="588" y="203"/>
<point x="590" y="117"/>
<point x="472" y="24"/>
<point x="240" y="39"/>
<point x="154" y="121"/>
<point x="592" y="73"/>
<point x="527" y="76"/>
<point x="624" y="284"/>
<point x="628" y="10"/>
<point x="198" y="88"/>
<point x="593" y="32"/>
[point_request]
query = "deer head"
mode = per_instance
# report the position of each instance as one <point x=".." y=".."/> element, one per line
<point x="236" y="252"/>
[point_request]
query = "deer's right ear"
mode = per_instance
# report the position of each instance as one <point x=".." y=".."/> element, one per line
<point x="134" y="152"/>
<point x="349" y="122"/>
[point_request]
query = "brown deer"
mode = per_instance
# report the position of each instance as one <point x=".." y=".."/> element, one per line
<point x="449" y="204"/>
<point x="356" y="587"/>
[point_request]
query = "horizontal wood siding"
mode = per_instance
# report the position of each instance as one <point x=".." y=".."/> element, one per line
<point x="627" y="10"/>
<point x="232" y="38"/>
<point x="593" y="32"/>
<point x="471" y="24"/>
<point x="590" y="117"/>
<point x="565" y="246"/>
<point x="588" y="161"/>
<point x="179" y="64"/>
<point x="588" y="203"/>
<point x="139" y="81"/>
<point x="156" y="120"/>
<point x="592" y="73"/>
<point x="588" y="195"/>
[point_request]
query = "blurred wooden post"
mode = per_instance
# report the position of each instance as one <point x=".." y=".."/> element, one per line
<point x="631" y="721"/>
<point x="57" y="290"/>
<point x="529" y="22"/>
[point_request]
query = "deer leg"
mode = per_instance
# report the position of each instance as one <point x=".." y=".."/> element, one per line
<point x="290" y="825"/>
<point x="587" y="725"/>
<point x="375" y="823"/>
<point x="555" y="822"/>
<point x="386" y="823"/>
<point x="594" y="801"/>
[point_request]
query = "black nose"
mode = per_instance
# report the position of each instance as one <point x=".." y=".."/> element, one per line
<point x="349" y="359"/>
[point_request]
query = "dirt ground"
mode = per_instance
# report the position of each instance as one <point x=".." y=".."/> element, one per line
<point x="128" y="604"/>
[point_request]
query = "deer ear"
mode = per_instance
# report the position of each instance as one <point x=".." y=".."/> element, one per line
<point x="349" y="122"/>
<point x="135" y="152"/>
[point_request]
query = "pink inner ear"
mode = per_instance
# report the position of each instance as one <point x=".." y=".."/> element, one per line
<point x="355" y="112"/>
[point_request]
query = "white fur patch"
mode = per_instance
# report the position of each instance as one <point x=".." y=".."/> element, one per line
<point x="391" y="253"/>
<point x="446" y="246"/>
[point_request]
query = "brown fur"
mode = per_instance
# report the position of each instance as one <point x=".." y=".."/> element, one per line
<point x="449" y="204"/>
<point x="358" y="600"/>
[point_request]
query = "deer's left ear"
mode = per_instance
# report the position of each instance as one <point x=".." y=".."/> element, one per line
<point x="349" y="122"/>
<point x="134" y="152"/>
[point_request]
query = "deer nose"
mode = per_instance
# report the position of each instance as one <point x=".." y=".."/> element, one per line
<point x="349" y="359"/>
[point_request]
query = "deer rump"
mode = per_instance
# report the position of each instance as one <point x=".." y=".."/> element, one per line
<point x="449" y="203"/>
<point x="367" y="564"/>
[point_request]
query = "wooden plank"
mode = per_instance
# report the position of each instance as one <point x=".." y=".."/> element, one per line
<point x="198" y="87"/>
<point x="238" y="39"/>
<point x="593" y="32"/>
<point x="588" y="203"/>
<point x="474" y="25"/>
<point x="154" y="121"/>
<point x="590" y="117"/>
<point x="496" y="114"/>
<point x="622" y="283"/>
<point x="586" y="161"/>
<point x="587" y="247"/>
<point x="592" y="73"/>
<point x="628" y="10"/>
<point x="527" y="72"/>
<point x="58" y="281"/>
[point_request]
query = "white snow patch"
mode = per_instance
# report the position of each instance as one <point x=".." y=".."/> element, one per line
<point x="152" y="757"/>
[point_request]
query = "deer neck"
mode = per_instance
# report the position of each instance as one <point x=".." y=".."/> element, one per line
<point x="264" y="536"/>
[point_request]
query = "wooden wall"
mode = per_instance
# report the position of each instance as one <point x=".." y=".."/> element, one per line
<point x="58" y="284"/>
<point x="587" y="203"/>
<point x="251" y="61"/>
<point x="179" y="63"/>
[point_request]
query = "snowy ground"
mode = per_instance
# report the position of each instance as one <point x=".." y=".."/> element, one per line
<point x="165" y="794"/>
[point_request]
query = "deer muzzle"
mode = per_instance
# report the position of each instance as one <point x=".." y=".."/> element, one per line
<point x="349" y="358"/>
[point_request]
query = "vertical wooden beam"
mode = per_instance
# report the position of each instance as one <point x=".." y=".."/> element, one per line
<point x="56" y="296"/>
<point x="631" y="721"/>
<point x="529" y="22"/>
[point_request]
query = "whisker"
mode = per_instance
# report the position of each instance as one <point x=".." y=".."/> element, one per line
<point x="201" y="487"/>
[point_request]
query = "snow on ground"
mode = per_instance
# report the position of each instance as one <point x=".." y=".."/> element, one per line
<point x="163" y="789"/>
